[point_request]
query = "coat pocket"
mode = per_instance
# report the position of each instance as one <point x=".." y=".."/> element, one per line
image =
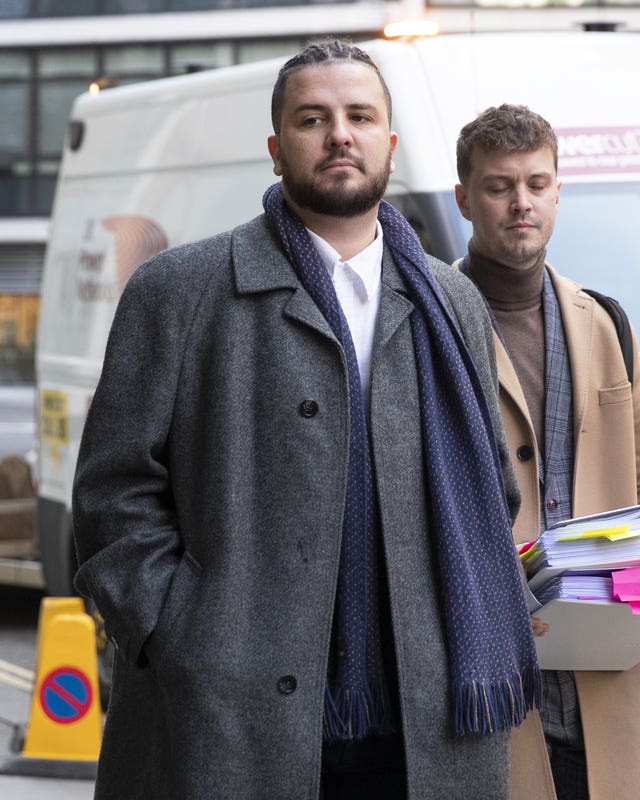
<point x="178" y="604"/>
<point x="616" y="394"/>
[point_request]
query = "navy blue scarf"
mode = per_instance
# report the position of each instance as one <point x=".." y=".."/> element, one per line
<point x="495" y="677"/>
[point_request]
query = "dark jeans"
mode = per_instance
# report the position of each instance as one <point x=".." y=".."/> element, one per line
<point x="372" y="769"/>
<point x="569" y="767"/>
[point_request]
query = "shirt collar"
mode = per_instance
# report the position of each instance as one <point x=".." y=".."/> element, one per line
<point x="366" y="264"/>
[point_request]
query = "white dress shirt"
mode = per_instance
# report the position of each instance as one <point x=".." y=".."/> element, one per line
<point x="358" y="285"/>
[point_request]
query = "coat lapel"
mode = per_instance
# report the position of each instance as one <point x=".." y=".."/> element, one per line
<point x="395" y="306"/>
<point x="508" y="379"/>
<point x="577" y="319"/>
<point x="260" y="266"/>
<point x="509" y="383"/>
<point x="577" y="310"/>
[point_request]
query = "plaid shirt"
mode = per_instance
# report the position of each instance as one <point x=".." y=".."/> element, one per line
<point x="560" y="712"/>
<point x="560" y="709"/>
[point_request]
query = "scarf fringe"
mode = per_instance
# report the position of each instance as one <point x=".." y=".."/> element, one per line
<point x="487" y="708"/>
<point x="355" y="713"/>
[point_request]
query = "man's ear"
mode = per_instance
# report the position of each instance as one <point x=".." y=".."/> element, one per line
<point x="393" y="142"/>
<point x="461" y="200"/>
<point x="273" y="145"/>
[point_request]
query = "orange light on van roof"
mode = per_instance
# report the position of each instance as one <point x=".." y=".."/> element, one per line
<point x="411" y="29"/>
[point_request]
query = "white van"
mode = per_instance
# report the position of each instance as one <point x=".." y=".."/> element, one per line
<point x="152" y="165"/>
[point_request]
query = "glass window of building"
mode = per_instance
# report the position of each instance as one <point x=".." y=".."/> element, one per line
<point x="272" y="48"/>
<point x="137" y="6"/>
<point x="15" y="139"/>
<point x="14" y="75"/>
<point x="70" y="8"/>
<point x="14" y="65"/>
<point x="136" y="60"/>
<point x="203" y="5"/>
<point x="13" y="121"/>
<point x="18" y="325"/>
<point x="68" y="63"/>
<point x="198" y="55"/>
<point x="63" y="75"/>
<point x="15" y="9"/>
<point x="55" y="101"/>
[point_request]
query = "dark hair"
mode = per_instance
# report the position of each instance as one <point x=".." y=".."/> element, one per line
<point x="321" y="52"/>
<point x="506" y="129"/>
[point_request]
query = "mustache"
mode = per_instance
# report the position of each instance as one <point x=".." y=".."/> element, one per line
<point x="341" y="155"/>
<point x="532" y="221"/>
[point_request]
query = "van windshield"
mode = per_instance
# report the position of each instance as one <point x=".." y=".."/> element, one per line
<point x="596" y="240"/>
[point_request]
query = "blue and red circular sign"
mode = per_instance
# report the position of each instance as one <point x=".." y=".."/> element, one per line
<point x="65" y="695"/>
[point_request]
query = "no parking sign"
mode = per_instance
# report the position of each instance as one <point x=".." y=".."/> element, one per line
<point x="65" y="695"/>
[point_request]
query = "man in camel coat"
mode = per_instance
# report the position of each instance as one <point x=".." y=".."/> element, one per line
<point x="572" y="421"/>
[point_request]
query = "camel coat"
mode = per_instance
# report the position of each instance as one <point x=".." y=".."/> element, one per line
<point x="606" y="470"/>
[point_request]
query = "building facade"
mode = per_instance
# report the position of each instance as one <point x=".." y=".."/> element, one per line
<point x="52" y="51"/>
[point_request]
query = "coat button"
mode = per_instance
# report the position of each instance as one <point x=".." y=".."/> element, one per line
<point x="308" y="408"/>
<point x="525" y="453"/>
<point x="552" y="504"/>
<point x="287" y="684"/>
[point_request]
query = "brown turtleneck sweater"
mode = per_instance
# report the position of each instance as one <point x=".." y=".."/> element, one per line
<point x="515" y="297"/>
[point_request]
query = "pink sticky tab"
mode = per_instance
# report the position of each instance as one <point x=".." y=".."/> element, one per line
<point x="626" y="584"/>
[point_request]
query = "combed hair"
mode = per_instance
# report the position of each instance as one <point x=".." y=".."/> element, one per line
<point x="506" y="128"/>
<point x="321" y="52"/>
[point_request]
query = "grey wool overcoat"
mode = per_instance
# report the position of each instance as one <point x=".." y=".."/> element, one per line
<point x="208" y="509"/>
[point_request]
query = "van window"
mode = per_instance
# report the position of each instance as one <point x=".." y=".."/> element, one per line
<point x="434" y="216"/>
<point x="596" y="240"/>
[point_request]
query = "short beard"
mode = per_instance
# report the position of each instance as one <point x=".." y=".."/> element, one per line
<point x="337" y="201"/>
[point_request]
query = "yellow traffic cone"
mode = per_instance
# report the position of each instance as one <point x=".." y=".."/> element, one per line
<point x="64" y="731"/>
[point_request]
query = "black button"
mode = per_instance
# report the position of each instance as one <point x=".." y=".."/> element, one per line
<point x="308" y="408"/>
<point x="525" y="453"/>
<point x="552" y="504"/>
<point x="287" y="684"/>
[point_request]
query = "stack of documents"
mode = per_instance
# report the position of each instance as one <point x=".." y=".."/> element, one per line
<point x="577" y="587"/>
<point x="583" y="580"/>
<point x="599" y="542"/>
